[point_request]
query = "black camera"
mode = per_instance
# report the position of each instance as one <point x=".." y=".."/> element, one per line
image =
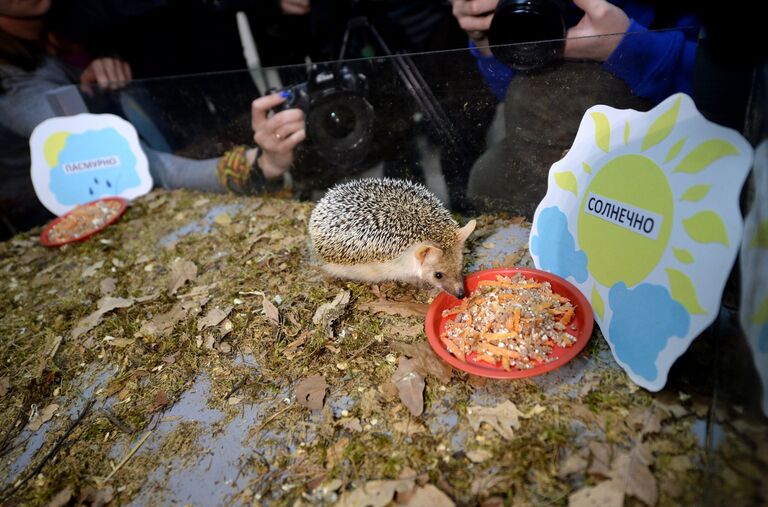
<point x="338" y="116"/>
<point x="527" y="34"/>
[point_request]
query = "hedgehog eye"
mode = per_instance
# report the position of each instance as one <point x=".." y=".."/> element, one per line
<point x="438" y="275"/>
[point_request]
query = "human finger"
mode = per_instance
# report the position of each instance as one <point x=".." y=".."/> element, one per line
<point x="476" y="23"/>
<point x="474" y="7"/>
<point x="284" y="131"/>
<point x="295" y="138"/>
<point x="111" y="71"/>
<point x="286" y="145"/>
<point x="99" y="73"/>
<point x="289" y="115"/>
<point x="593" y="8"/>
<point x="295" y="6"/>
<point x="127" y="71"/>
<point x="261" y="106"/>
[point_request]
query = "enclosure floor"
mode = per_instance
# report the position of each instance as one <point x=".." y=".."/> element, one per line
<point x="192" y="354"/>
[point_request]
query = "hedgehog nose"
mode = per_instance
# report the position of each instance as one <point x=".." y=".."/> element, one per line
<point x="459" y="293"/>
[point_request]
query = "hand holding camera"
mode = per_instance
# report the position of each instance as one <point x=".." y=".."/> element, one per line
<point x="600" y="18"/>
<point x="528" y="34"/>
<point x="474" y="17"/>
<point x="339" y="118"/>
<point x="277" y="135"/>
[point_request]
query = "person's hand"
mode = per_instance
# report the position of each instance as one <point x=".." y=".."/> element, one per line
<point x="295" y="7"/>
<point x="109" y="73"/>
<point x="600" y="18"/>
<point x="474" y="17"/>
<point x="276" y="135"/>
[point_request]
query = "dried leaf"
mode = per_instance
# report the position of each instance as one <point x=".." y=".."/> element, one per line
<point x="213" y="318"/>
<point x="402" y="308"/>
<point x="504" y="418"/>
<point x="162" y="324"/>
<point x="352" y="424"/>
<point x="647" y="420"/>
<point x="669" y="403"/>
<point x="410" y="386"/>
<point x="270" y="310"/>
<point x="575" y="463"/>
<point x="335" y="453"/>
<point x="601" y="459"/>
<point x="43" y="417"/>
<point x="96" y="497"/>
<point x="631" y="470"/>
<point x="483" y="483"/>
<point x="182" y="271"/>
<point x="374" y="493"/>
<point x="120" y="342"/>
<point x="107" y="286"/>
<point x="425" y="359"/>
<point x="92" y="269"/>
<point x="479" y="455"/>
<point x="430" y="495"/>
<point x="103" y="306"/>
<point x="408" y="427"/>
<point x="61" y="498"/>
<point x="290" y="350"/>
<point x="328" y="312"/>
<point x="404" y="329"/>
<point x="605" y="494"/>
<point x="310" y="392"/>
<point x="5" y="385"/>
<point x="161" y="401"/>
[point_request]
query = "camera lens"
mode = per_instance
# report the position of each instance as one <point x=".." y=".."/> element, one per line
<point x="340" y="126"/>
<point x="527" y="34"/>
<point x="339" y="122"/>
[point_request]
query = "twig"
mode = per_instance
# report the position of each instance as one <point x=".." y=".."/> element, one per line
<point x="272" y="417"/>
<point x="7" y="494"/>
<point x="128" y="456"/>
<point x="361" y="349"/>
<point x="122" y="426"/>
<point x="240" y="383"/>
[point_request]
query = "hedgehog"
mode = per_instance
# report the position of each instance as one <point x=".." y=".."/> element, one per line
<point x="381" y="229"/>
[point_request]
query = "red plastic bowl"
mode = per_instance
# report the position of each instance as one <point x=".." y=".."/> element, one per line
<point x="583" y="320"/>
<point x="87" y="233"/>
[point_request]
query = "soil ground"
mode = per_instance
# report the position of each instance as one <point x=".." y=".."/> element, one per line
<point x="192" y="354"/>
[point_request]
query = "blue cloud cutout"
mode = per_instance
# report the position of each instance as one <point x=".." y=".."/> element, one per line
<point x="556" y="248"/>
<point x="88" y="184"/>
<point x="762" y="340"/>
<point x="644" y="318"/>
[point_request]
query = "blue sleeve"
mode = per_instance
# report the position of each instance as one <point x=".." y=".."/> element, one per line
<point x="496" y="74"/>
<point x="654" y="64"/>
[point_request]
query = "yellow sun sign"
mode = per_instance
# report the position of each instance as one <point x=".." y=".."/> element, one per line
<point x="642" y="215"/>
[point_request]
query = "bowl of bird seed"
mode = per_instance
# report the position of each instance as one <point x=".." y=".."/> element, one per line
<point x="513" y="323"/>
<point x="83" y="221"/>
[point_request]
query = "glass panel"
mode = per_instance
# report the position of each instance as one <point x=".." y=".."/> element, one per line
<point x="482" y="141"/>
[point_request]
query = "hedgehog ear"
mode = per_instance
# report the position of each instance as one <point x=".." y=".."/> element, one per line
<point x="463" y="233"/>
<point x="426" y="251"/>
